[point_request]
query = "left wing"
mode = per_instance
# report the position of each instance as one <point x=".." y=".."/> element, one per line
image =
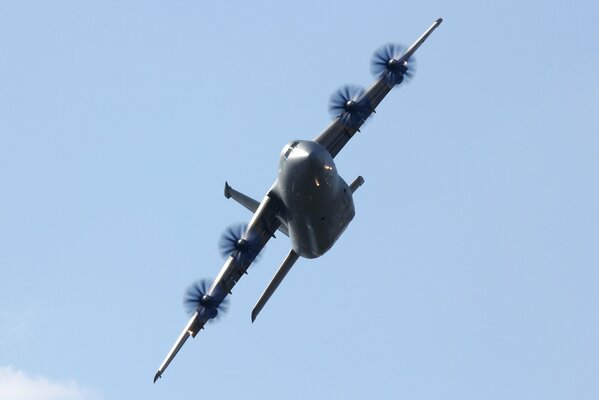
<point x="338" y="133"/>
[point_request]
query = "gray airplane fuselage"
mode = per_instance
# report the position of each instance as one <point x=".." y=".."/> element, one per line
<point x="309" y="201"/>
<point x="318" y="203"/>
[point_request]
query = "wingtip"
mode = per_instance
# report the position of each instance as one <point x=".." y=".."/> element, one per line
<point x="158" y="375"/>
<point x="439" y="20"/>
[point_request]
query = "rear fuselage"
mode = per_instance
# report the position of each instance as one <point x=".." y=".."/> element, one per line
<point x="318" y="203"/>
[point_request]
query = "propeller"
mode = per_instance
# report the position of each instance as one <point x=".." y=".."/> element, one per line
<point x="196" y="297"/>
<point x="232" y="243"/>
<point x="385" y="63"/>
<point x="349" y="104"/>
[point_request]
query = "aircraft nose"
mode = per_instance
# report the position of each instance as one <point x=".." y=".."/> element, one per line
<point x="306" y="161"/>
<point x="305" y="154"/>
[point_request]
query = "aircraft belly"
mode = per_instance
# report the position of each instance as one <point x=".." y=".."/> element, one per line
<point x="316" y="225"/>
<point x="318" y="202"/>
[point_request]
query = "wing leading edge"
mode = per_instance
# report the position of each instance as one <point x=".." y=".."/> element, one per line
<point x="267" y="219"/>
<point x="261" y="228"/>
<point x="338" y="133"/>
<point x="191" y="329"/>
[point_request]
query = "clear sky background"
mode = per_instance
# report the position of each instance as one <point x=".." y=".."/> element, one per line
<point x="471" y="269"/>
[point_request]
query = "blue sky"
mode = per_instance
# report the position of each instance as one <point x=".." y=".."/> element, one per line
<point x="470" y="270"/>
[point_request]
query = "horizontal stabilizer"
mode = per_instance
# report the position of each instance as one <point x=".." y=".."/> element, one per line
<point x="274" y="284"/>
<point x="359" y="181"/>
<point x="251" y="205"/>
<point x="241" y="198"/>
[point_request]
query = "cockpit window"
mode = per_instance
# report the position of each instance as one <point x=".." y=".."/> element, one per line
<point x="291" y="147"/>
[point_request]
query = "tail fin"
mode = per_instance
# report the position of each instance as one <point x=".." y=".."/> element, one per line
<point x="275" y="282"/>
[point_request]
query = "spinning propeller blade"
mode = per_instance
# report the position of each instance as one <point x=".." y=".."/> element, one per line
<point x="349" y="105"/>
<point x="232" y="243"/>
<point x="196" y="297"/>
<point x="388" y="62"/>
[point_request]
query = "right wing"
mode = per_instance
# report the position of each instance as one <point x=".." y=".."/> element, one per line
<point x="191" y="329"/>
<point x="261" y="228"/>
<point x="338" y="133"/>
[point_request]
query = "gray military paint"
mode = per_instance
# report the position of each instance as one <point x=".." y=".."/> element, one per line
<point x="318" y="204"/>
<point x="309" y="202"/>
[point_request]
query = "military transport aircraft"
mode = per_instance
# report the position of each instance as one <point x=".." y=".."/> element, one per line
<point x="309" y="202"/>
